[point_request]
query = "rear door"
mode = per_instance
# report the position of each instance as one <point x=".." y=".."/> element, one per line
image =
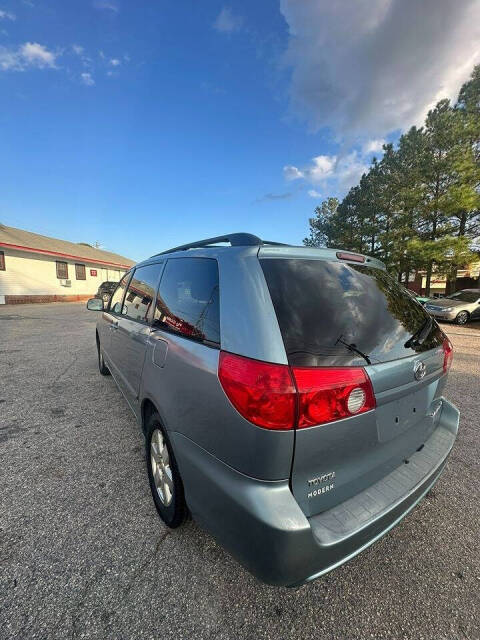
<point x="130" y="336"/>
<point x="335" y="314"/>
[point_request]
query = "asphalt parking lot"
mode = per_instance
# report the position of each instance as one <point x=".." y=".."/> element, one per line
<point x="84" y="555"/>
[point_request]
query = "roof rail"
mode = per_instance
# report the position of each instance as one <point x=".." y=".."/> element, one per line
<point x="235" y="240"/>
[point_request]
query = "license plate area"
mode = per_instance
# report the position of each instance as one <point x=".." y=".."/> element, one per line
<point x="397" y="416"/>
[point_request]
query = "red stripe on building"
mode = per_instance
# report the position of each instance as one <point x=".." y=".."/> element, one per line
<point x="63" y="255"/>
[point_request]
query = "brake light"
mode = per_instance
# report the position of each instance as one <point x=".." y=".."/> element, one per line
<point x="271" y="395"/>
<point x="447" y="355"/>
<point x="352" y="257"/>
<point x="263" y="393"/>
<point x="325" y="394"/>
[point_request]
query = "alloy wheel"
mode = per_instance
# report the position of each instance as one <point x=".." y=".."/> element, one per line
<point x="161" y="469"/>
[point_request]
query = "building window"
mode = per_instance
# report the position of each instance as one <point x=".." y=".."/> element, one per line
<point x="2" y="261"/>
<point x="80" y="272"/>
<point x="62" y="270"/>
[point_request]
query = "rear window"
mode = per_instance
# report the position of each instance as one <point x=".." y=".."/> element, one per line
<point x="334" y="313"/>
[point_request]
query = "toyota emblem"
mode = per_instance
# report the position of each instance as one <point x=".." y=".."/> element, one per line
<point x="419" y="370"/>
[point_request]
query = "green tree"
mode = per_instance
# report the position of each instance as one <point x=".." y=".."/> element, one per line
<point x="321" y="226"/>
<point x="419" y="206"/>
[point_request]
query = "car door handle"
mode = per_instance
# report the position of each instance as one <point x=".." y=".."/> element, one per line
<point x="114" y="326"/>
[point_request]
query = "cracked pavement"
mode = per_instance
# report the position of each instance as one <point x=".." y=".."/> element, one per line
<point x="83" y="553"/>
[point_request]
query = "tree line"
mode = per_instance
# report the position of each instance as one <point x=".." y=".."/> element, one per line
<point x="419" y="206"/>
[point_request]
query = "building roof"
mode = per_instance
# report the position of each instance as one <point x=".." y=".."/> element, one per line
<point x="33" y="242"/>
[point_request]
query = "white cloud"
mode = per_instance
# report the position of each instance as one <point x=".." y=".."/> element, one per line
<point x="76" y="48"/>
<point x="106" y="4"/>
<point x="115" y="62"/>
<point x="227" y="21"/>
<point x="332" y="173"/>
<point x="37" y="55"/>
<point x="373" y="146"/>
<point x="7" y="15"/>
<point x="321" y="168"/>
<point x="348" y="170"/>
<point x="292" y="173"/>
<point x="369" y="67"/>
<point x="87" y="79"/>
<point x="28" y="55"/>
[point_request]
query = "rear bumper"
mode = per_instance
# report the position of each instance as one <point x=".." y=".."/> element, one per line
<point x="262" y="525"/>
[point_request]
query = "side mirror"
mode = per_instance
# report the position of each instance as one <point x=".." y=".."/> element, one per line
<point x="95" y="304"/>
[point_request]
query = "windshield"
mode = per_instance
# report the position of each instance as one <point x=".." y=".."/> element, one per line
<point x="465" y="296"/>
<point x="333" y="313"/>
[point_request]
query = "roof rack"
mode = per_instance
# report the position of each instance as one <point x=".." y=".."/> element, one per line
<point x="235" y="240"/>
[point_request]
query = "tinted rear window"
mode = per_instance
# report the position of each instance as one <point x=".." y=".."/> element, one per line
<point x="324" y="306"/>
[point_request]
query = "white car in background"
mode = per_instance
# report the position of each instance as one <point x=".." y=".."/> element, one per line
<point x="459" y="307"/>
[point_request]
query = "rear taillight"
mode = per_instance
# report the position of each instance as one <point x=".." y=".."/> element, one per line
<point x="447" y="355"/>
<point x="268" y="394"/>
<point x="328" y="394"/>
<point x="263" y="393"/>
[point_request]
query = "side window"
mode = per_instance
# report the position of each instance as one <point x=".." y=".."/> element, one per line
<point x="2" y="261"/>
<point x="80" y="272"/>
<point x="141" y="292"/>
<point x="115" y="305"/>
<point x="62" y="270"/>
<point x="188" y="299"/>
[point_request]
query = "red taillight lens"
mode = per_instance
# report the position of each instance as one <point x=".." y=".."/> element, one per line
<point x="447" y="355"/>
<point x="267" y="394"/>
<point x="331" y="394"/>
<point x="262" y="393"/>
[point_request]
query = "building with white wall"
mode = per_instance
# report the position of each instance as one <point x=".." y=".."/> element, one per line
<point x="35" y="268"/>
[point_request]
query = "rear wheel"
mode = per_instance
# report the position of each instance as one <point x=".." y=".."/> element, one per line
<point x="165" y="481"/>
<point x="462" y="317"/>
<point x="102" y="367"/>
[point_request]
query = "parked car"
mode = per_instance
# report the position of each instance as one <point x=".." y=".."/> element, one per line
<point x="422" y="300"/>
<point x="460" y="307"/>
<point x="291" y="398"/>
<point x="105" y="290"/>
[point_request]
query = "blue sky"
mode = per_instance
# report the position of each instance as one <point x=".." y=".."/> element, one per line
<point x="146" y="124"/>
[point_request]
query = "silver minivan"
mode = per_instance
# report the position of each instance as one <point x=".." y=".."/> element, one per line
<point x="291" y="398"/>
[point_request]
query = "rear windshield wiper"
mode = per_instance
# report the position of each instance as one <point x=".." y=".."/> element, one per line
<point x="353" y="348"/>
<point x="420" y="336"/>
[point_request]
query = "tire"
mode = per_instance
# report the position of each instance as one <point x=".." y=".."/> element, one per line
<point x="462" y="317"/>
<point x="102" y="367"/>
<point x="163" y="475"/>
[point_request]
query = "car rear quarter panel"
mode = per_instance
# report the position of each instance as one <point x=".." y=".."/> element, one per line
<point x="249" y="325"/>
<point x="191" y="401"/>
